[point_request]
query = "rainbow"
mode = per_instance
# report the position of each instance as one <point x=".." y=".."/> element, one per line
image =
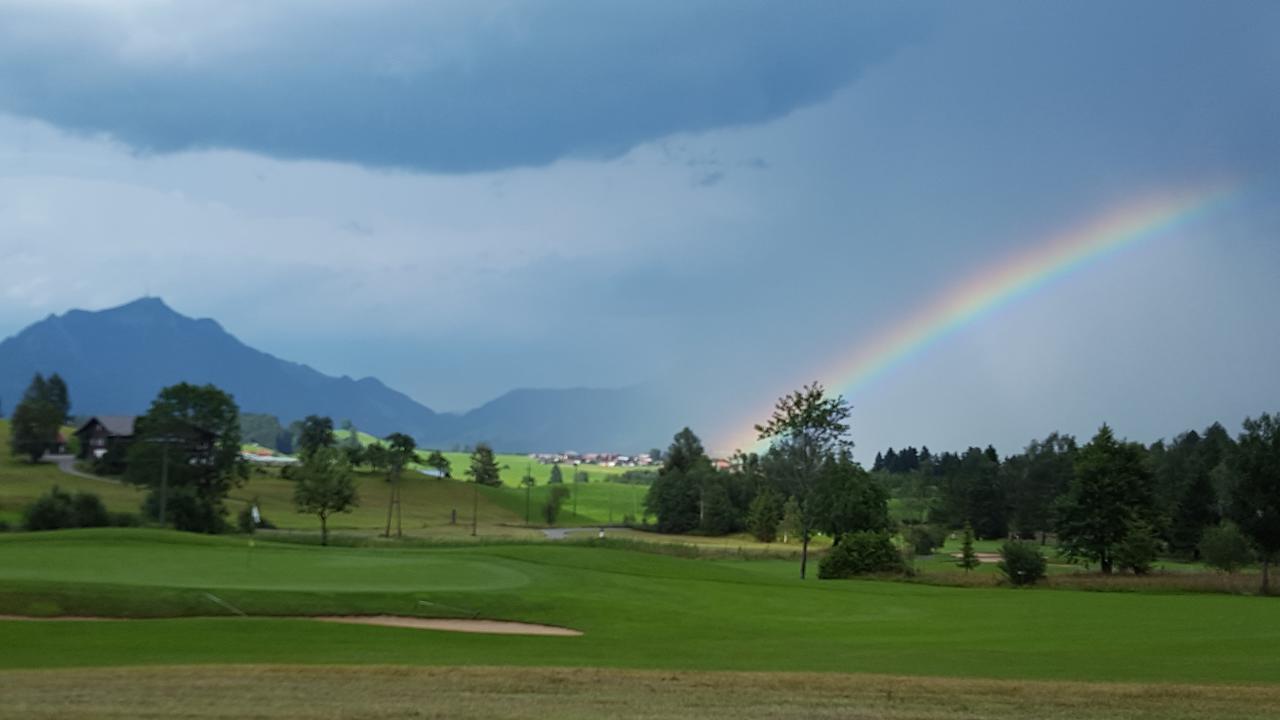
<point x="1018" y="276"/>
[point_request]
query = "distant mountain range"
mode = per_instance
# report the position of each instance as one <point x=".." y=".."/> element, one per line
<point x="116" y="360"/>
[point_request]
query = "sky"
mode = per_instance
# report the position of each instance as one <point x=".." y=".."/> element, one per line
<point x="714" y="201"/>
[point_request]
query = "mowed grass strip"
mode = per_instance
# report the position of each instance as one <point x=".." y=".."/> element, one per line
<point x="290" y="692"/>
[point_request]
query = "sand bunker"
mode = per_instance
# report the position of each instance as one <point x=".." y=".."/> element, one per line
<point x="496" y="627"/>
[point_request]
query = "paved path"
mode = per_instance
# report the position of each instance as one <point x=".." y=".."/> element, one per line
<point x="562" y="533"/>
<point x="67" y="464"/>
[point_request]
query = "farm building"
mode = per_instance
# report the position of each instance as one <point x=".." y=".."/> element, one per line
<point x="102" y="433"/>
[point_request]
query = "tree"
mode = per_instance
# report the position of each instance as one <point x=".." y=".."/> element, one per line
<point x="1110" y="495"/>
<point x="324" y="486"/>
<point x="556" y="476"/>
<point x="37" y="418"/>
<point x="355" y="455"/>
<point x="484" y="468"/>
<point x="968" y="558"/>
<point x="317" y="432"/>
<point x="527" y="482"/>
<point x="850" y="500"/>
<point x="186" y="451"/>
<point x="1034" y="480"/>
<point x="1197" y="510"/>
<point x="765" y="515"/>
<point x="439" y="463"/>
<point x="1255" y="500"/>
<point x="556" y="495"/>
<point x="808" y="431"/>
<point x="791" y="523"/>
<point x="400" y="451"/>
<point x="1224" y="547"/>
<point x="676" y="496"/>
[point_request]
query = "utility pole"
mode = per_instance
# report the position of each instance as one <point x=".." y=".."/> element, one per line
<point x="164" y="479"/>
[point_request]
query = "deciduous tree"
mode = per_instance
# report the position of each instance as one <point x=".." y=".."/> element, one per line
<point x="324" y="486"/>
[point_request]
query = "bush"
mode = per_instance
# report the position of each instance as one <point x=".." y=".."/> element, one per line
<point x="861" y="553"/>
<point x="1021" y="562"/>
<point x="1138" y="550"/>
<point x="125" y="519"/>
<point x="58" y="509"/>
<point x="1225" y="548"/>
<point x="924" y="539"/>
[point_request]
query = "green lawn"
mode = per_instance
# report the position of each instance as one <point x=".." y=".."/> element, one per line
<point x="637" y="610"/>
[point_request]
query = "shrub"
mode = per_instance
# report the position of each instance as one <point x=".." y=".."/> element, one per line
<point x="58" y="509"/>
<point x="87" y="510"/>
<point x="861" y="553"/>
<point x="1225" y="548"/>
<point x="924" y="539"/>
<point x="1021" y="562"/>
<point x="764" y="516"/>
<point x="1138" y="550"/>
<point x="125" y="519"/>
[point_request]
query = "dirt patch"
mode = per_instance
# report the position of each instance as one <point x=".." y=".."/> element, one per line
<point x="494" y="627"/>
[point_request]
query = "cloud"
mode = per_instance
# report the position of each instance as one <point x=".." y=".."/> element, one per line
<point x="442" y="87"/>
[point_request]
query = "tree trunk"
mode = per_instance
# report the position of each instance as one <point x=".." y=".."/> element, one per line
<point x="324" y="530"/>
<point x="391" y="503"/>
<point x="1266" y="575"/>
<point x="398" y="526"/>
<point x="1105" y="562"/>
<point x="804" y="552"/>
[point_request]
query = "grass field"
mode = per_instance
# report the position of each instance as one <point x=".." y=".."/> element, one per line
<point x="637" y="610"/>
<point x="511" y="467"/>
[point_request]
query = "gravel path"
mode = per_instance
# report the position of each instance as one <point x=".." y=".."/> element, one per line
<point x="67" y="464"/>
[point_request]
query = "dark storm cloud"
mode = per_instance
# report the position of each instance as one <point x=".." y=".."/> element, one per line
<point x="450" y="87"/>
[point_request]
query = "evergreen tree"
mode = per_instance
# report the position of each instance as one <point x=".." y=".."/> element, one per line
<point x="484" y="468"/>
<point x="1110" y="495"/>
<point x="765" y="515"/>
<point x="968" y="558"/>
<point x="556" y="477"/>
<point x="317" y="432"/>
<point x="38" y="417"/>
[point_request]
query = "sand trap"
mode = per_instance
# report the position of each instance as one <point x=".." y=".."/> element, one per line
<point x="495" y="627"/>
<point x="983" y="557"/>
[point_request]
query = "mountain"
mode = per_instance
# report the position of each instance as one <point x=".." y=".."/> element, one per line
<point x="116" y="360"/>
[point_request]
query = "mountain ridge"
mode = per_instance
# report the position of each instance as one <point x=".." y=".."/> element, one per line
<point x="116" y="360"/>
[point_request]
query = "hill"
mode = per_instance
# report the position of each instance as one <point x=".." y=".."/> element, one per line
<point x="116" y="360"/>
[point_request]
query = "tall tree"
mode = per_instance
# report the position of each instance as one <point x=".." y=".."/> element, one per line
<point x="807" y="431"/>
<point x="317" y="432"/>
<point x="1036" y="479"/>
<point x="33" y="428"/>
<point x="675" y="497"/>
<point x="186" y="451"/>
<point x="1255" y="501"/>
<point x="484" y="468"/>
<point x="400" y="451"/>
<point x="556" y="476"/>
<point x="324" y="486"/>
<point x="1110" y="496"/>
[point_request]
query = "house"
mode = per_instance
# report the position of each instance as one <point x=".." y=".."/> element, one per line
<point x="103" y="433"/>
